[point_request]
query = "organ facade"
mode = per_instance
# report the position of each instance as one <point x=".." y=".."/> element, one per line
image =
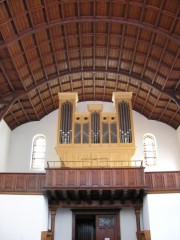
<point x="95" y="138"/>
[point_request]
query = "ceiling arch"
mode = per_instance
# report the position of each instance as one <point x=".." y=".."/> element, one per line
<point x="92" y="47"/>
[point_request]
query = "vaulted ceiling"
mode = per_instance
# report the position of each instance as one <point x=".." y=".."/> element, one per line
<point x="93" y="47"/>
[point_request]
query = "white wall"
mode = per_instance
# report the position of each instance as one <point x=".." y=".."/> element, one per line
<point x="23" y="217"/>
<point x="164" y="216"/>
<point x="178" y="136"/>
<point x="168" y="151"/>
<point x="21" y="141"/>
<point x="145" y="225"/>
<point x="19" y="158"/>
<point x="5" y="134"/>
<point x="128" y="224"/>
<point x="63" y="224"/>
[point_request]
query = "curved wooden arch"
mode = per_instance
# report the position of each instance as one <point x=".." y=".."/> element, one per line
<point x="22" y="93"/>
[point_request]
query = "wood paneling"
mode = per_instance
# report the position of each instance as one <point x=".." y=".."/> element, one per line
<point x="163" y="181"/>
<point x="132" y="178"/>
<point x="95" y="178"/>
<point x="22" y="182"/>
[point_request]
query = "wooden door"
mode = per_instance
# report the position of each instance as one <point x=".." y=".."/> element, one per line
<point x="106" y="227"/>
<point x="96" y="225"/>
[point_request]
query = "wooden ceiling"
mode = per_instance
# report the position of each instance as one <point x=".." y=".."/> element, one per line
<point x="93" y="47"/>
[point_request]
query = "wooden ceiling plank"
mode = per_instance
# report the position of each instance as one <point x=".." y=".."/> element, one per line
<point x="15" y="28"/>
<point x="147" y="96"/>
<point x="42" y="101"/>
<point x="94" y="86"/>
<point x="151" y="28"/>
<point x="98" y="70"/>
<point x="34" y="108"/>
<point x="65" y="36"/>
<point x="80" y="35"/>
<point x="157" y="99"/>
<point x="172" y="66"/>
<point x="137" y="37"/>
<point x="160" y="61"/>
<point x="82" y="81"/>
<point x="52" y="99"/>
<point x="121" y="47"/>
<point x="94" y="35"/>
<point x="177" y="85"/>
<point x="107" y="46"/>
<point x="80" y="46"/>
<point x="60" y="84"/>
<point x="108" y="35"/>
<point x="37" y="48"/>
<point x="66" y="73"/>
<point x="160" y="117"/>
<point x="51" y="39"/>
<point x="6" y="77"/>
<point x="177" y="110"/>
<point x="137" y="93"/>
<point x="105" y="82"/>
<point x="167" y="40"/>
<point x="23" y="110"/>
<point x="15" y="119"/>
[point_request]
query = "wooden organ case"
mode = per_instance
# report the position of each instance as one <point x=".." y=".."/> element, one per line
<point x="95" y="138"/>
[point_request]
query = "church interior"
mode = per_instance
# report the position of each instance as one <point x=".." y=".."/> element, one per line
<point x="89" y="119"/>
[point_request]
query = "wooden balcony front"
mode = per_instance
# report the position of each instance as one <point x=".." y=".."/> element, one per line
<point x="163" y="182"/>
<point x="94" y="187"/>
<point x="28" y="183"/>
<point x="124" y="186"/>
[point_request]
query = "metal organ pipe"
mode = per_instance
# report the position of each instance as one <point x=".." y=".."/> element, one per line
<point x="66" y="123"/>
<point x="124" y="122"/>
<point x="95" y="127"/>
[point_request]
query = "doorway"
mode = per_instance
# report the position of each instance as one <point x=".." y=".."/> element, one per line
<point x="96" y="225"/>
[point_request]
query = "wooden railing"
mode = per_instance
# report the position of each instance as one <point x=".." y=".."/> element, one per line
<point x="95" y="178"/>
<point x="66" y="178"/>
<point x="96" y="162"/>
<point x="163" y="181"/>
<point x="22" y="182"/>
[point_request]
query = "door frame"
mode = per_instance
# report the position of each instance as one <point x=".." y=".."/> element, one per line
<point x="95" y="212"/>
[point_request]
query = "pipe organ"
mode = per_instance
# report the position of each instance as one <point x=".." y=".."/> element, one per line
<point x="95" y="138"/>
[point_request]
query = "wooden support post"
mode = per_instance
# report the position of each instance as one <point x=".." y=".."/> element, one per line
<point x="137" y="213"/>
<point x="53" y="215"/>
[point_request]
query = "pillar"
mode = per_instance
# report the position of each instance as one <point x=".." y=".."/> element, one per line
<point x="53" y="215"/>
<point x="137" y="213"/>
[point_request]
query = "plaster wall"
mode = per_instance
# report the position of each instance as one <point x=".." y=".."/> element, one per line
<point x="23" y="217"/>
<point x="19" y="157"/>
<point x="178" y="136"/>
<point x="164" y="216"/>
<point x="5" y="134"/>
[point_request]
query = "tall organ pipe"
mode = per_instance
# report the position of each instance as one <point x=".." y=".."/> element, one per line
<point x="66" y="123"/>
<point x="95" y="123"/>
<point x="124" y="122"/>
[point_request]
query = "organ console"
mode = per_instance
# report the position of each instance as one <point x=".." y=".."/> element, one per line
<point x="95" y="138"/>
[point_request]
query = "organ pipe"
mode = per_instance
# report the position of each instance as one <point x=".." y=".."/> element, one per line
<point x="95" y="129"/>
<point x="66" y="123"/>
<point x="124" y="122"/>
